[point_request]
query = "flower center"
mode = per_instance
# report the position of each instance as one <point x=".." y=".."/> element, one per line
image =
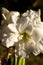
<point x="26" y="37"/>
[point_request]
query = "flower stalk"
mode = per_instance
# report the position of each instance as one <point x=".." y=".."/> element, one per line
<point x="16" y="59"/>
<point x="21" y="61"/>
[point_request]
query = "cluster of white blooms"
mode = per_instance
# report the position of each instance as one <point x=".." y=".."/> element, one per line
<point x="25" y="32"/>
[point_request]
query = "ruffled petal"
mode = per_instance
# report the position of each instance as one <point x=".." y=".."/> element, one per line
<point x="11" y="40"/>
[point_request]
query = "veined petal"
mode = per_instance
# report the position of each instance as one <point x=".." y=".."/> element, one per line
<point x="22" y="23"/>
<point x="38" y="47"/>
<point x="29" y="46"/>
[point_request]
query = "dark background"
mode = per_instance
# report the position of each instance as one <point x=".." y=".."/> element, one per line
<point x="21" y="5"/>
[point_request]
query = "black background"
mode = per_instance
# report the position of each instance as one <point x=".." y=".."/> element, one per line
<point x="21" y="6"/>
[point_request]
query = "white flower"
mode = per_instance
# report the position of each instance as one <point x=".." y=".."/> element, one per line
<point x="9" y="27"/>
<point x="25" y="32"/>
<point x="32" y="33"/>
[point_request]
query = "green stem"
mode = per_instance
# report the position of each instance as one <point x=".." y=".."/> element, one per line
<point x="16" y="60"/>
<point x="21" y="61"/>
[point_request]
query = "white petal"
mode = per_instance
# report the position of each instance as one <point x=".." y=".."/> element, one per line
<point x="38" y="47"/>
<point x="37" y="33"/>
<point x="26" y="13"/>
<point x="29" y="46"/>
<point x="22" y="23"/>
<point x="12" y="28"/>
<point x="11" y="40"/>
<point x="14" y="16"/>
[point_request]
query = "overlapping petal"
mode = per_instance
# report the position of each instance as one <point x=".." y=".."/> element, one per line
<point x="25" y="32"/>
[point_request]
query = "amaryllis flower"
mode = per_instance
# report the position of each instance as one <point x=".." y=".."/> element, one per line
<point x="25" y="32"/>
<point x="9" y="27"/>
<point x="30" y="29"/>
